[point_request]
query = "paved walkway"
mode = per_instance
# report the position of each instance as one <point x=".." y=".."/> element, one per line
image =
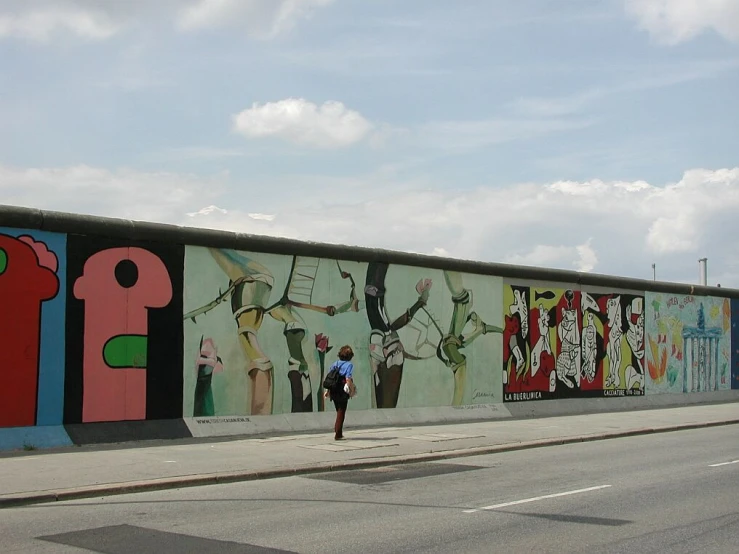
<point x="82" y="472"/>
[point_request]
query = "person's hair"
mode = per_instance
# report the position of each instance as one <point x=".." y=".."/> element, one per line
<point x="346" y="353"/>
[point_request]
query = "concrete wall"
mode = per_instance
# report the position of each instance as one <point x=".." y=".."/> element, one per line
<point x="116" y="330"/>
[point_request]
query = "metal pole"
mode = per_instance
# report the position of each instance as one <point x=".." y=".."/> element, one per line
<point x="703" y="267"/>
<point x="654" y="272"/>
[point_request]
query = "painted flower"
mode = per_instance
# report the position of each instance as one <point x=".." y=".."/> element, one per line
<point x="322" y="343"/>
<point x="208" y="356"/>
<point x="657" y="362"/>
<point x="727" y="315"/>
<point x="423" y="285"/>
<point x="422" y="288"/>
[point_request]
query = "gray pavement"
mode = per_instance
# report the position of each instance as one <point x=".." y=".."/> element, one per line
<point x="88" y="472"/>
<point x="661" y="493"/>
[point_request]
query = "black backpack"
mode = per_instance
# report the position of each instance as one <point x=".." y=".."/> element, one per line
<point x="334" y="379"/>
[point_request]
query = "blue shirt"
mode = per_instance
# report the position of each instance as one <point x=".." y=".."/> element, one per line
<point x="346" y="369"/>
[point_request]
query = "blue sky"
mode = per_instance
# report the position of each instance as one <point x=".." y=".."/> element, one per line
<point x="598" y="135"/>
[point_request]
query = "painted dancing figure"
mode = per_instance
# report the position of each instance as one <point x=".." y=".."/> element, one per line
<point x="387" y="354"/>
<point x="613" y="350"/>
<point x="452" y="343"/>
<point x="249" y="291"/>
<point x="568" y="361"/>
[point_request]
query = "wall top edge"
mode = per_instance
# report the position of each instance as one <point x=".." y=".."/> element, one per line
<point x="78" y="224"/>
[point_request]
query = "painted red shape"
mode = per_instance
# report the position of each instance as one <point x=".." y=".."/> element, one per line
<point x="540" y="381"/>
<point x="24" y="285"/>
<point x="111" y="310"/>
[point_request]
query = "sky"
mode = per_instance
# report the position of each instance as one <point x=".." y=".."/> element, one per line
<point x="594" y="135"/>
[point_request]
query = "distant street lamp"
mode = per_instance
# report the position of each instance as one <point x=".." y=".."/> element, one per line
<point x="703" y="271"/>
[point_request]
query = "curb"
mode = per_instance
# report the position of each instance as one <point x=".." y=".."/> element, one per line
<point x="94" y="491"/>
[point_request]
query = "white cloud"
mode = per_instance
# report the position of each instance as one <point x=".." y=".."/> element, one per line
<point x="42" y="20"/>
<point x="207" y="211"/>
<point x="46" y="20"/>
<point x="581" y="257"/>
<point x="676" y="217"/>
<point x="588" y="258"/>
<point x="296" y="120"/>
<point x="262" y="217"/>
<point x="470" y="135"/>
<point x="689" y="208"/>
<point x="626" y="81"/>
<point x="675" y="21"/>
<point x="544" y="255"/>
<point x="609" y="227"/>
<point x="260" y="18"/>
<point x="126" y="193"/>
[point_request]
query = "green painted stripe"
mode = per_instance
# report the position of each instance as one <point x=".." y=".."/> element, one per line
<point x="125" y="351"/>
<point x="3" y="261"/>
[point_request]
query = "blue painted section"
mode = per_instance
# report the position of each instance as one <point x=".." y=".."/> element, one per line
<point x="735" y="343"/>
<point x="50" y="407"/>
<point x="48" y="436"/>
<point x="50" y="397"/>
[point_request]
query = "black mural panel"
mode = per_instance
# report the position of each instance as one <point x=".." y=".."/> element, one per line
<point x="124" y="330"/>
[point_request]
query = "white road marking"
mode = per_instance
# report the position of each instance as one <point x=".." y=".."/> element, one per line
<point x="535" y="499"/>
<point x="724" y="464"/>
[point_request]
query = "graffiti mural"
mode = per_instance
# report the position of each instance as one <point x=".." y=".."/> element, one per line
<point x="32" y="269"/>
<point x="260" y="329"/>
<point x="562" y="343"/>
<point x="124" y="305"/>
<point x="249" y="293"/>
<point x="689" y="343"/>
<point x="614" y="360"/>
<point x="735" y="344"/>
<point x="100" y="330"/>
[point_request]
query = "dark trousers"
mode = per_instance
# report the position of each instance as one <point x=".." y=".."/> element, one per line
<point x="341" y="405"/>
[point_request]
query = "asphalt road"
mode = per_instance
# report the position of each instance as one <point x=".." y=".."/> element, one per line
<point x="656" y="493"/>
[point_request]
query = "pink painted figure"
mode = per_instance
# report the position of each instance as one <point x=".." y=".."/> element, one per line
<point x="118" y="286"/>
<point x="207" y="364"/>
<point x="208" y="356"/>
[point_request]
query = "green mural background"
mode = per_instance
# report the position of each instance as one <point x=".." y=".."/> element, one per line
<point x="417" y="305"/>
<point x="672" y="320"/>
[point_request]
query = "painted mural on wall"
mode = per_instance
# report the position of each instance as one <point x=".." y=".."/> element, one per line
<point x="734" y="343"/>
<point x="32" y="274"/>
<point x="564" y="343"/>
<point x="689" y="343"/>
<point x="262" y="329"/>
<point x="124" y="325"/>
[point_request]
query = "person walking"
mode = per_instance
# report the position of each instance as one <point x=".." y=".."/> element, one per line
<point x="344" y="390"/>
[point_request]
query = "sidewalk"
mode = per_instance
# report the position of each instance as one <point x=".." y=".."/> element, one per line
<point x="84" y="472"/>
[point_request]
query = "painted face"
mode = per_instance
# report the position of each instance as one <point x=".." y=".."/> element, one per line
<point x="27" y="279"/>
<point x="543" y="319"/>
<point x="568" y="318"/>
<point x="127" y="281"/>
<point x="613" y="311"/>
